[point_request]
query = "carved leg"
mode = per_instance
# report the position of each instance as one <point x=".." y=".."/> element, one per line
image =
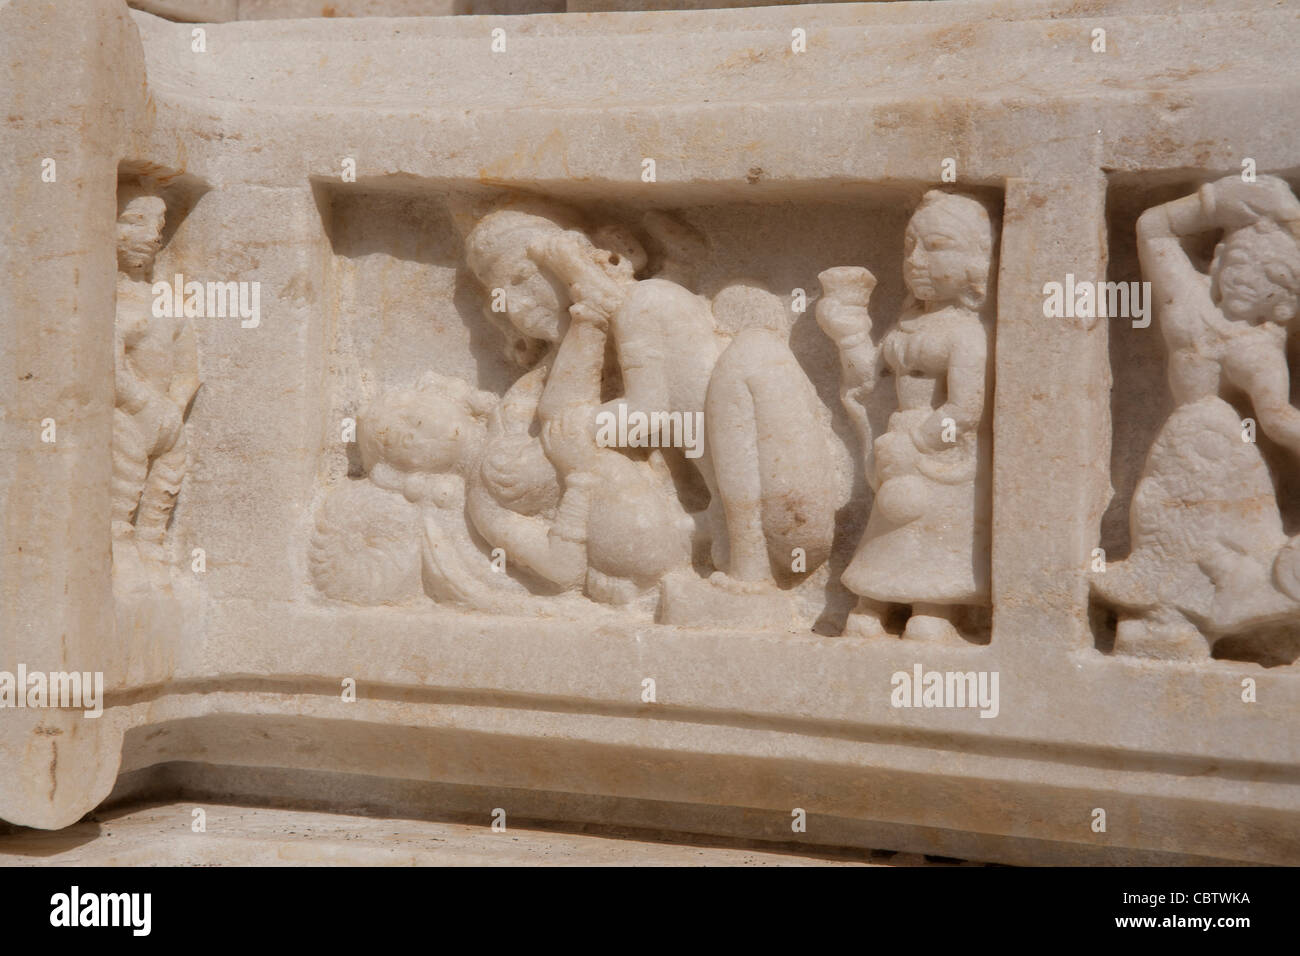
<point x="932" y="622"/>
<point x="867" y="619"/>
<point x="719" y="546"/>
<point x="130" y="466"/>
<point x="734" y="449"/>
<point x="159" y="498"/>
<point x="747" y="544"/>
<point x="714" y="517"/>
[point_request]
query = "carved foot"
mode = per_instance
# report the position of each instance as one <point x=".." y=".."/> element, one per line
<point x="139" y="567"/>
<point x="932" y="623"/>
<point x="867" y="619"/>
<point x="607" y="589"/>
<point x="864" y="624"/>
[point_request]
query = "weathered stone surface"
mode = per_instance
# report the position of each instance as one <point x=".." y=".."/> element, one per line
<point x="715" y="420"/>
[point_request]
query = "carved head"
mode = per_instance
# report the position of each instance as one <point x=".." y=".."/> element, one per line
<point x="432" y="429"/>
<point x="948" y="250"/>
<point x="140" y="218"/>
<point x="1255" y="274"/>
<point x="536" y="304"/>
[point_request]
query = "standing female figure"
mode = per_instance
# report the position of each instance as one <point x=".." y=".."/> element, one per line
<point x="927" y="539"/>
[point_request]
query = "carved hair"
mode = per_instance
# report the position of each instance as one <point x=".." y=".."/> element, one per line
<point x="388" y="435"/>
<point x="509" y="228"/>
<point x="970" y="222"/>
<point x="136" y="197"/>
<point x="365" y="548"/>
<point x="1265" y="246"/>
<point x="620" y="241"/>
<point x="505" y="233"/>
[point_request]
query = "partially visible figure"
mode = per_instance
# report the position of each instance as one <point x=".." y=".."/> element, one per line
<point x="618" y="528"/>
<point x="378" y="541"/>
<point x="1209" y="556"/>
<point x="1228" y="328"/>
<point x="156" y="377"/>
<point x="531" y="494"/>
<point x="664" y="336"/>
<point x="927" y="539"/>
<point x="769" y="433"/>
<point x="515" y="489"/>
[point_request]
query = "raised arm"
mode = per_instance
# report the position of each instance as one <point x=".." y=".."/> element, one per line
<point x="842" y="314"/>
<point x="555" y="553"/>
<point x="1229" y="204"/>
<point x="576" y="375"/>
<point x="596" y="289"/>
<point x="1164" y="263"/>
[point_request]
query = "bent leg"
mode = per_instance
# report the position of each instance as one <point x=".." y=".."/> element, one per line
<point x="730" y="418"/>
<point x="130" y="467"/>
<point x="160" y="491"/>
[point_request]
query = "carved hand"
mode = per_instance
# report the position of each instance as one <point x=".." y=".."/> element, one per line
<point x="585" y="269"/>
<point x="568" y="439"/>
<point x="1234" y="204"/>
<point x="928" y="436"/>
<point x="581" y="312"/>
<point x="842" y="310"/>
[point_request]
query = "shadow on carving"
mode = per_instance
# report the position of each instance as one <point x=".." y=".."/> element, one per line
<point x="1207" y="432"/>
<point x="564" y="402"/>
<point x="156" y="377"/>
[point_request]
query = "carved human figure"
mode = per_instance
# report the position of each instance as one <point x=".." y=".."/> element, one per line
<point x="419" y="443"/>
<point x="926" y="543"/>
<point x="663" y="335"/>
<point x="1209" y="556"/>
<point x="625" y="510"/>
<point x="769" y="435"/>
<point x="156" y="377"/>
<point x="542" y="478"/>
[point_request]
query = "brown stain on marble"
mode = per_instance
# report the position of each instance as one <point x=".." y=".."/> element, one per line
<point x="505" y="171"/>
